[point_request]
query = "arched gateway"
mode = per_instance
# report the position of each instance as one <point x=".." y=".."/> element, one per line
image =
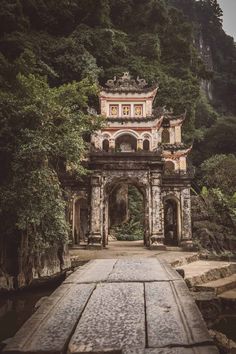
<point x="132" y="149"/>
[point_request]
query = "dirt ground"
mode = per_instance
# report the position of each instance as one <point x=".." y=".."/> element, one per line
<point x="120" y="249"/>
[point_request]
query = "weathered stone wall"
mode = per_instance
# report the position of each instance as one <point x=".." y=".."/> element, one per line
<point x="19" y="268"/>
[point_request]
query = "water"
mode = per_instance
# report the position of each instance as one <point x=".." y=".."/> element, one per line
<point x="227" y="326"/>
<point x="16" y="308"/>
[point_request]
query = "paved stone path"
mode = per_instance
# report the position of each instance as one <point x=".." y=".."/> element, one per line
<point x="120" y="306"/>
<point x="134" y="249"/>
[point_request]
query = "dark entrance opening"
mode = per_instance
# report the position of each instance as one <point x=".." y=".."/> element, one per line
<point x="126" y="213"/>
<point x="105" y="145"/>
<point x="165" y="136"/>
<point x="146" y="145"/>
<point x="171" y="222"/>
<point x="126" y="143"/>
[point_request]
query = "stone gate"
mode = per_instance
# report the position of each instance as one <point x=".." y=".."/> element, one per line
<point x="140" y="146"/>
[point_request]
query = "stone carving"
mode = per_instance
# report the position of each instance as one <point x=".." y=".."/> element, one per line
<point x="126" y="83"/>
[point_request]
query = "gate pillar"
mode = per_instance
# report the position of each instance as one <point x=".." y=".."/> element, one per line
<point x="186" y="237"/>
<point x="96" y="213"/>
<point x="157" y="232"/>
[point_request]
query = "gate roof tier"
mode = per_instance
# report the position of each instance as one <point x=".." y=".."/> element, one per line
<point x="170" y="120"/>
<point x="174" y="151"/>
<point x="126" y="88"/>
<point x="132" y="123"/>
<point x="138" y="160"/>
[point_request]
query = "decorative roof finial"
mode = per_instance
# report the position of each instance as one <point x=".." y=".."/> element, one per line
<point x="126" y="83"/>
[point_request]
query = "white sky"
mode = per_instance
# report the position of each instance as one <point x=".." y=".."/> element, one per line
<point x="229" y="17"/>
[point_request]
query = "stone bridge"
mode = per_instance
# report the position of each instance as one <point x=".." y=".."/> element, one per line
<point x="120" y="306"/>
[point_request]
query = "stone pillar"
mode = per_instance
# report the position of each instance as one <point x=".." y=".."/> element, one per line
<point x="140" y="144"/>
<point x="186" y="239"/>
<point x="112" y="144"/>
<point x="157" y="232"/>
<point x="148" y="108"/>
<point x="73" y="221"/>
<point x="172" y="135"/>
<point x="178" y="134"/>
<point x="182" y="163"/>
<point x="147" y="215"/>
<point x="96" y="213"/>
<point x="106" y="223"/>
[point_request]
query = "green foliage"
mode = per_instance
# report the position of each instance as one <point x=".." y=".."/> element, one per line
<point x="41" y="135"/>
<point x="48" y="45"/>
<point x="204" y="191"/>
<point x="218" y="139"/>
<point x="205" y="116"/>
<point x="219" y="172"/>
<point x="133" y="229"/>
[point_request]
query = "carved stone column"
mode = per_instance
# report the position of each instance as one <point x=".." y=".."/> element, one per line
<point x="147" y="209"/>
<point x="73" y="220"/>
<point x="112" y="144"/>
<point x="96" y="216"/>
<point x="157" y="232"/>
<point x="186" y="239"/>
<point x="105" y="223"/>
<point x="140" y="144"/>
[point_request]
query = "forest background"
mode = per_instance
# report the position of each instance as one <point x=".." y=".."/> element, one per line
<point x="55" y="54"/>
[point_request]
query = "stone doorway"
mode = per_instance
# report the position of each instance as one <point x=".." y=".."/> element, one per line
<point x="142" y="170"/>
<point x="80" y="222"/>
<point x="171" y="222"/>
<point x="126" y="212"/>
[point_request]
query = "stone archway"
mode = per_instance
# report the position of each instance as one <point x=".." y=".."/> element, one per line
<point x="117" y="209"/>
<point x="172" y="221"/>
<point x="143" y="170"/>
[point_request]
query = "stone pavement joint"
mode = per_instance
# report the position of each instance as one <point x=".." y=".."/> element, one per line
<point x="126" y="306"/>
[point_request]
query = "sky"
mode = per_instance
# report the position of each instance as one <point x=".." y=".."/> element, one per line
<point x="229" y="16"/>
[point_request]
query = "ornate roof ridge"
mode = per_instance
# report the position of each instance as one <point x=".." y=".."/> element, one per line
<point x="126" y="83"/>
<point x="169" y="115"/>
<point x="175" y="146"/>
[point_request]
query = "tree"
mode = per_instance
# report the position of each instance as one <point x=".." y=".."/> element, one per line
<point x="219" y="172"/>
<point x="41" y="132"/>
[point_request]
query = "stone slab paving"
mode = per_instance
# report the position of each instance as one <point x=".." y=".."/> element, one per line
<point x="127" y="306"/>
<point x="120" y="320"/>
<point x="172" y="319"/>
<point x="50" y="327"/>
<point x="141" y="270"/>
<point x="93" y="272"/>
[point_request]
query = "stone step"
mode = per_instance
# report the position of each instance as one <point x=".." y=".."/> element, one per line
<point x="204" y="271"/>
<point x="220" y="285"/>
<point x="185" y="260"/>
<point x="229" y="295"/>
